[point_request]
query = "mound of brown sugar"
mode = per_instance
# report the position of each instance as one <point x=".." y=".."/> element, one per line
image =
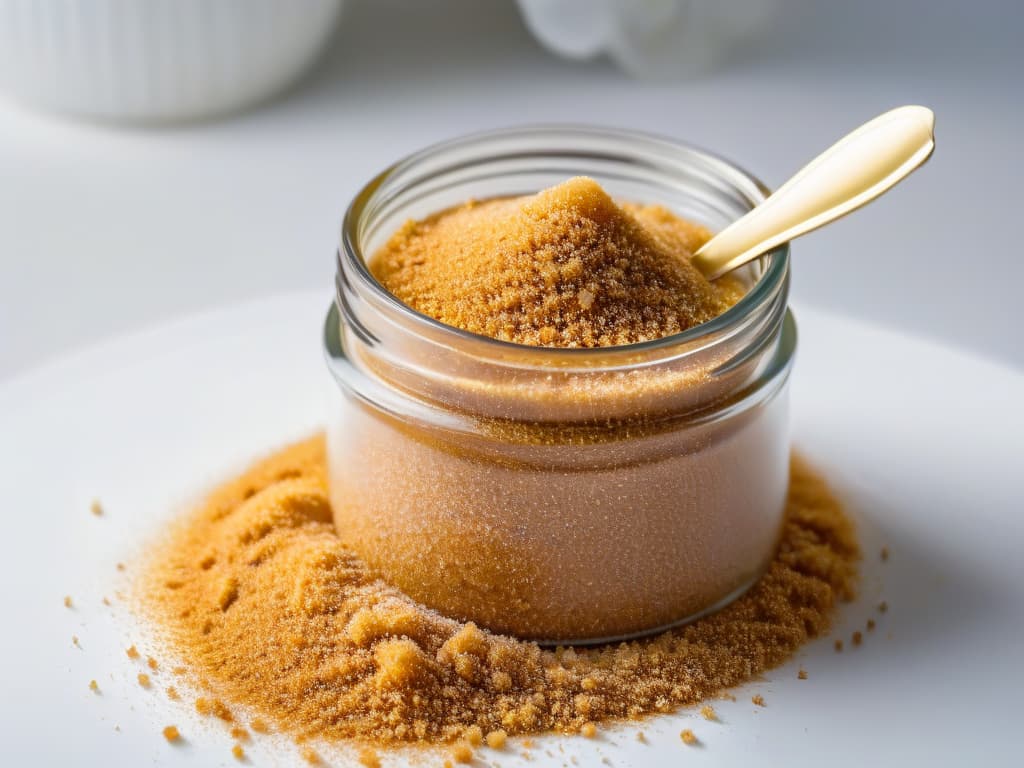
<point x="564" y="268"/>
<point x="255" y="591"/>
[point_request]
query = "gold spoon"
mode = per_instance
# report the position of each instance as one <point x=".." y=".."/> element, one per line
<point x="852" y="172"/>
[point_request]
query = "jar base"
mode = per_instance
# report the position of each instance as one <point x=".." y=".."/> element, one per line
<point x="623" y="638"/>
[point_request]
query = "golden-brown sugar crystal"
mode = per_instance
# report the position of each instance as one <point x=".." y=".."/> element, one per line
<point x="567" y="267"/>
<point x="368" y="758"/>
<point x="497" y="739"/>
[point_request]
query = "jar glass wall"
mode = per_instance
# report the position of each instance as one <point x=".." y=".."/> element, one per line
<point x="564" y="495"/>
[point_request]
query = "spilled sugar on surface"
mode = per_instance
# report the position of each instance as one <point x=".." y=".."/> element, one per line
<point x="256" y="594"/>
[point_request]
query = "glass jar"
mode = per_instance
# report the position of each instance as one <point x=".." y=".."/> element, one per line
<point x="562" y="495"/>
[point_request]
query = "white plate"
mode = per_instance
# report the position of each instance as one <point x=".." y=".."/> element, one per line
<point x="925" y="444"/>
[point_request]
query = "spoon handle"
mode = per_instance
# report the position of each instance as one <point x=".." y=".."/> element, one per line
<point x="853" y="171"/>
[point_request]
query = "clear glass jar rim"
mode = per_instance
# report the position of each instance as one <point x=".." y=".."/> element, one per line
<point x="771" y="280"/>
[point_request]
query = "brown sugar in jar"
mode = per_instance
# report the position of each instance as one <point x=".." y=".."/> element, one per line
<point x="547" y="422"/>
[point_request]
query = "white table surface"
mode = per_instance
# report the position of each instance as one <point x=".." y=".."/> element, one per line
<point x="104" y="230"/>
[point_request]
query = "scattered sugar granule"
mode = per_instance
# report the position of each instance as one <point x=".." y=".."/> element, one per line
<point x="96" y="508"/>
<point x="74" y="641"/>
<point x="588" y="730"/>
<point x="497" y="739"/>
<point x="462" y="752"/>
<point x="474" y="735"/>
<point x="151" y="663"/>
<point x="885" y="554"/>
<point x="238" y="733"/>
<point x="708" y="712"/>
<point x="171" y="733"/>
<point x="310" y="756"/>
<point x="172" y="693"/>
<point x="106" y="600"/>
<point x="857" y="638"/>
<point x="641" y="737"/>
<point x="871" y="625"/>
<point x="688" y="737"/>
<point x="802" y="674"/>
<point x="67" y="601"/>
<point x="144" y="680"/>
<point x="758" y="699"/>
<point x="259" y="725"/>
<point x="215" y="708"/>
<point x="94" y="686"/>
<point x="883" y="607"/>
<point x="238" y="752"/>
<point x="368" y="758"/>
<point x="133" y="652"/>
<point x="120" y="566"/>
<point x="839" y="646"/>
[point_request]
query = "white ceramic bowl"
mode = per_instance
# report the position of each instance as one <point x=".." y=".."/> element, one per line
<point x="157" y="60"/>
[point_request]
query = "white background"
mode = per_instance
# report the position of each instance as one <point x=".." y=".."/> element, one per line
<point x="104" y="230"/>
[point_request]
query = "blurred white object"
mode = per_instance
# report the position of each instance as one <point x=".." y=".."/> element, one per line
<point x="157" y="60"/>
<point x="648" y="38"/>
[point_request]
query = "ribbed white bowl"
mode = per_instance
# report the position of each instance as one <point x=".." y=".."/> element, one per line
<point x="157" y="60"/>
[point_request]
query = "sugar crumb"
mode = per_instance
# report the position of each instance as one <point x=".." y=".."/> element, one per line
<point x="758" y="699"/>
<point x="802" y="674"/>
<point x="708" y="712"/>
<point x="144" y="680"/>
<point x="96" y="508"/>
<point x="133" y="652"/>
<point x="368" y="758"/>
<point x="688" y="737"/>
<point x="857" y="638"/>
<point x="588" y="730"/>
<point x="171" y="733"/>
<point x="215" y="708"/>
<point x="94" y="686"/>
<point x="497" y="739"/>
<point x="68" y="602"/>
<point x="462" y="752"/>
